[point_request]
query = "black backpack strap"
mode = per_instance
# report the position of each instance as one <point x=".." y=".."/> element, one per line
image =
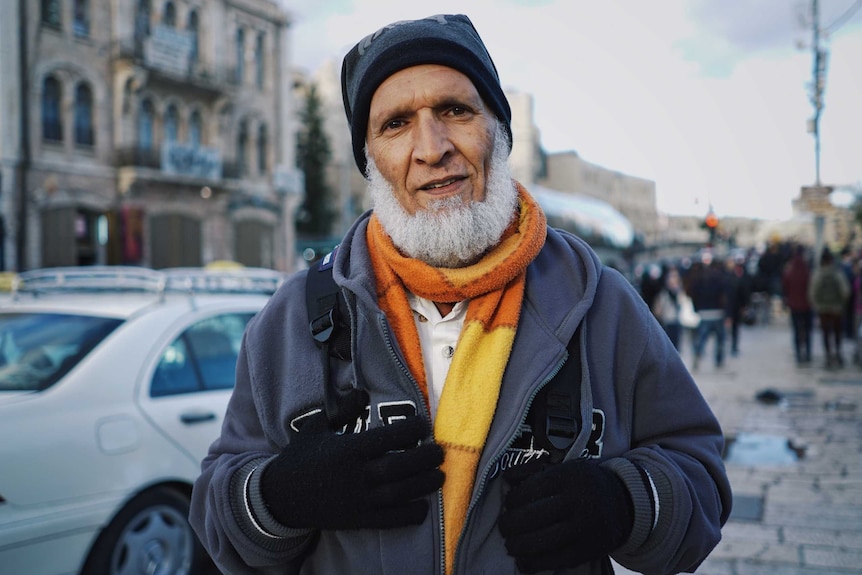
<point x="331" y="331"/>
<point x="556" y="412"/>
<point x="326" y="307"/>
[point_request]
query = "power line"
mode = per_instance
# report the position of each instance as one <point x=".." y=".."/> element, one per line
<point x="841" y="20"/>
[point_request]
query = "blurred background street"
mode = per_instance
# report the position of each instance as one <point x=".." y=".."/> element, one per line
<point x="794" y="457"/>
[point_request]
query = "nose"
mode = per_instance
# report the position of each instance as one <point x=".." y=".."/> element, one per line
<point x="432" y="143"/>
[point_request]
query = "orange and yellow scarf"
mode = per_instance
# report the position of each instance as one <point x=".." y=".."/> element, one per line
<point x="494" y="287"/>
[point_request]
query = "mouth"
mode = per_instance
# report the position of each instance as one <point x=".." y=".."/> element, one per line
<point x="438" y="184"/>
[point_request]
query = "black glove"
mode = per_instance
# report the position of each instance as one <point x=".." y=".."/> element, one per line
<point x="375" y="479"/>
<point x="564" y="515"/>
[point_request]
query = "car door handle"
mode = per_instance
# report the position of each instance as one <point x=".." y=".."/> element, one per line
<point x="193" y="418"/>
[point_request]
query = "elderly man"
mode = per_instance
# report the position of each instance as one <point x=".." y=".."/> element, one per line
<point x="507" y="404"/>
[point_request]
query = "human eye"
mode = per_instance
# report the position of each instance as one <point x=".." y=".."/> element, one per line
<point x="394" y="124"/>
<point x="458" y="111"/>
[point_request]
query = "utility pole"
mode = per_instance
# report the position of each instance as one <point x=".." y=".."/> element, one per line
<point x="818" y="83"/>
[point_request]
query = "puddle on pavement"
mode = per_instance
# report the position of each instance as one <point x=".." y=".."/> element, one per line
<point x="754" y="449"/>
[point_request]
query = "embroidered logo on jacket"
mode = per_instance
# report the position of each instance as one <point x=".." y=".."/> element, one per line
<point x="528" y="447"/>
<point x="387" y="411"/>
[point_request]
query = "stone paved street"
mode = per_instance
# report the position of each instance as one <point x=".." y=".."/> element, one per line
<point x="794" y="458"/>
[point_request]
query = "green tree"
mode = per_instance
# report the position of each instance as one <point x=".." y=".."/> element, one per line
<point x="315" y="217"/>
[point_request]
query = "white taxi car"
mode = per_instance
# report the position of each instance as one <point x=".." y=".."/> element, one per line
<point x="113" y="384"/>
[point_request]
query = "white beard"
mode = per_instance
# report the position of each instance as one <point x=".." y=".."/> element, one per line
<point x="450" y="233"/>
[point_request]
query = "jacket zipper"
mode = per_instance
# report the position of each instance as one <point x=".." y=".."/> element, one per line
<point x="388" y="339"/>
<point x="499" y="454"/>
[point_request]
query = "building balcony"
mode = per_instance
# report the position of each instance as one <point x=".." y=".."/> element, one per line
<point x="179" y="70"/>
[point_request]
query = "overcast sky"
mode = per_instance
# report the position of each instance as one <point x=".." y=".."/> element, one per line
<point x="708" y="98"/>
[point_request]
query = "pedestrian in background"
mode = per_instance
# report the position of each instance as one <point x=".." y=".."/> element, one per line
<point x="709" y="292"/>
<point x="667" y="306"/>
<point x="856" y="289"/>
<point x="739" y="293"/>
<point x="829" y="292"/>
<point x="768" y="279"/>
<point x="848" y="320"/>
<point x="795" y="283"/>
<point x="651" y="283"/>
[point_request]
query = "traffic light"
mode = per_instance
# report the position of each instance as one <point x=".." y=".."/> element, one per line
<point x="711" y="224"/>
<point x="711" y="221"/>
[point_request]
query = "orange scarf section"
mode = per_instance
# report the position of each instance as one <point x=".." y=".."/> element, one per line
<point x="494" y="287"/>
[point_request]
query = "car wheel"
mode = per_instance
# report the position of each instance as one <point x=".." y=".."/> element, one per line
<point x="150" y="536"/>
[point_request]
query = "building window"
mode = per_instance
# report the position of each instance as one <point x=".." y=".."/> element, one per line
<point x="195" y="127"/>
<point x="51" y="14"/>
<point x="146" y="120"/>
<point x="81" y="23"/>
<point x="240" y="54"/>
<point x="172" y="122"/>
<point x="84" y="115"/>
<point x="142" y="26"/>
<point x="170" y="17"/>
<point x="258" y="61"/>
<point x="192" y="27"/>
<point x="261" y="150"/>
<point x="52" y="119"/>
<point x="242" y="148"/>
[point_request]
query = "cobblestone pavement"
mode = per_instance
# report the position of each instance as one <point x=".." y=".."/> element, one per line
<point x="794" y="457"/>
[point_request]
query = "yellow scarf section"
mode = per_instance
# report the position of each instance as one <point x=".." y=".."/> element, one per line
<point x="494" y="287"/>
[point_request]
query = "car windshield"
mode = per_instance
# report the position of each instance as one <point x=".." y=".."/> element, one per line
<point x="37" y="349"/>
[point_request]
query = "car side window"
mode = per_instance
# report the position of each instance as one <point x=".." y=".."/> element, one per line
<point x="202" y="358"/>
<point x="38" y="349"/>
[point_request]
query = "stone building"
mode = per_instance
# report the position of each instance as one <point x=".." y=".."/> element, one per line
<point x="145" y="132"/>
<point x="634" y="197"/>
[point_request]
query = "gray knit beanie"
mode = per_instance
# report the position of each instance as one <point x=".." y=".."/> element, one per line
<point x="446" y="39"/>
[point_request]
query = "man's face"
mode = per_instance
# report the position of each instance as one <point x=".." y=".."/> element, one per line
<point x="431" y="136"/>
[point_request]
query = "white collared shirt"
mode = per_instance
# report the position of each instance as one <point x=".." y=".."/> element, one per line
<point x="438" y="337"/>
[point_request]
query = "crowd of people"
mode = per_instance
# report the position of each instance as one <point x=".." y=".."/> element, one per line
<point x="711" y="297"/>
<point x="828" y="293"/>
<point x="708" y="299"/>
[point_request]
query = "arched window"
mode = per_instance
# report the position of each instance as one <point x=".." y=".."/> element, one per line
<point x="172" y="123"/>
<point x="170" y="17"/>
<point x="192" y="27"/>
<point x="240" y="54"/>
<point x="258" y="61"/>
<point x="52" y="118"/>
<point x="261" y="149"/>
<point x="195" y="127"/>
<point x="146" y="119"/>
<point x="84" y="115"/>
<point x="242" y="148"/>
<point x="51" y="14"/>
<point x="81" y="22"/>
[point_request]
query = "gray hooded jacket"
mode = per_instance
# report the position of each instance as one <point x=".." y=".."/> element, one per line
<point x="646" y="410"/>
